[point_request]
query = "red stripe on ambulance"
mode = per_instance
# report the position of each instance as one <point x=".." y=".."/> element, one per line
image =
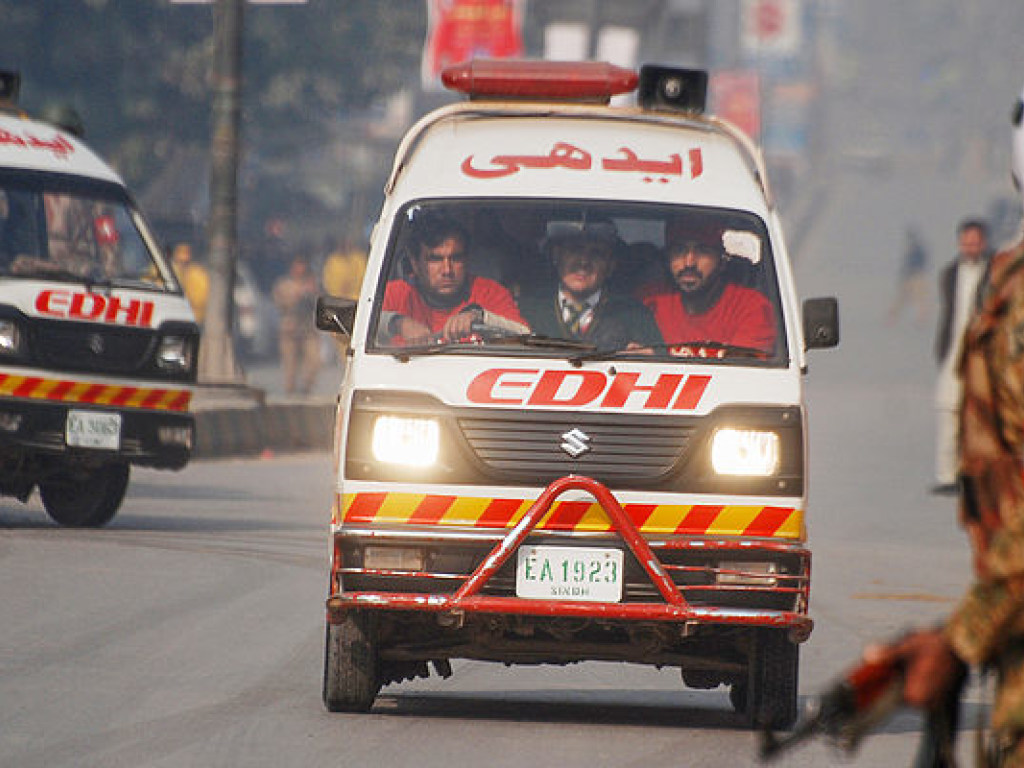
<point x="27" y="387"/>
<point x="567" y="515"/>
<point x="431" y="510"/>
<point x="364" y="507"/>
<point x="499" y="513"/>
<point x="699" y="519"/>
<point x="768" y="522"/>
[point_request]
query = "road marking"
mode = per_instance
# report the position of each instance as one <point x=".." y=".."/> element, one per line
<point x="916" y="597"/>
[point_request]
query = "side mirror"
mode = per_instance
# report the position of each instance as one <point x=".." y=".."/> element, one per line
<point x="821" y="323"/>
<point x="335" y="315"/>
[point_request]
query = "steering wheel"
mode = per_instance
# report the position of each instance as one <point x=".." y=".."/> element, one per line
<point x="481" y="332"/>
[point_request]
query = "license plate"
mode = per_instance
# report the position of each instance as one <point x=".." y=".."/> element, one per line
<point x="92" y="429"/>
<point x="569" y="573"/>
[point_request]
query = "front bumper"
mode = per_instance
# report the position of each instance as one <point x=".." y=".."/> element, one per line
<point x="672" y="579"/>
<point x="38" y="427"/>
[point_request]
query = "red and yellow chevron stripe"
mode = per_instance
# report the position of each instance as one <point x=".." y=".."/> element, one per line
<point x="570" y="516"/>
<point x="37" y="388"/>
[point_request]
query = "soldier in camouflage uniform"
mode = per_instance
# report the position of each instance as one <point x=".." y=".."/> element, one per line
<point x="987" y="627"/>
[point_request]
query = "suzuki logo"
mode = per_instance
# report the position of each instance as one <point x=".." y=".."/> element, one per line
<point x="576" y="442"/>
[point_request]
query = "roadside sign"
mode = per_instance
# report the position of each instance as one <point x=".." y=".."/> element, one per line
<point x="736" y="97"/>
<point x="771" y="27"/>
<point x="458" y="30"/>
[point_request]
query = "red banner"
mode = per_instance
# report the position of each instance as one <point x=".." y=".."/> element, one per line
<point x="736" y="97"/>
<point x="458" y="30"/>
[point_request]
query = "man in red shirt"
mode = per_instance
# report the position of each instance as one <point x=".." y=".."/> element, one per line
<point x="699" y="303"/>
<point x="441" y="299"/>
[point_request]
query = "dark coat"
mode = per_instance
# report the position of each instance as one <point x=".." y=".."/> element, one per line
<point x="947" y="301"/>
<point x="618" y="320"/>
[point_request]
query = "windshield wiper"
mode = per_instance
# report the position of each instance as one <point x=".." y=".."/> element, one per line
<point x="38" y="272"/>
<point x="38" y="269"/>
<point x="404" y="354"/>
<point x="103" y="283"/>
<point x="606" y="353"/>
<point x="536" y="340"/>
<point x="133" y="282"/>
<point x="726" y="350"/>
<point x="544" y="342"/>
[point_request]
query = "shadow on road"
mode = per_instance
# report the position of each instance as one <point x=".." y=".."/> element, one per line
<point x="664" y="709"/>
<point x="651" y="709"/>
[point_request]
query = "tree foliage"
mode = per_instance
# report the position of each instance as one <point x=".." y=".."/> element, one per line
<point x="138" y="71"/>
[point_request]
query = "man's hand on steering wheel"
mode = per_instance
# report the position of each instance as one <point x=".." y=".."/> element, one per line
<point x="412" y="331"/>
<point x="460" y="325"/>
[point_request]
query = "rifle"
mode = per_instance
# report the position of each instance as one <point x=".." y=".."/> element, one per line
<point x="864" y="697"/>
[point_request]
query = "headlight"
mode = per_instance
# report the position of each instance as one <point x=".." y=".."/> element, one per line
<point x="745" y="452"/>
<point x="10" y="338"/>
<point x="175" y="354"/>
<point x="411" y="441"/>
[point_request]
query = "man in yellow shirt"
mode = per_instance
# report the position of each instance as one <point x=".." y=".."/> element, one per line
<point x="194" y="279"/>
<point x="343" y="270"/>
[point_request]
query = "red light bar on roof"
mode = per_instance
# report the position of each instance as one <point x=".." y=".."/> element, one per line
<point x="593" y="81"/>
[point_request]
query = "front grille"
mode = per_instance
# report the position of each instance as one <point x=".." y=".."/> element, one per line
<point x="619" y="449"/>
<point x="91" y="347"/>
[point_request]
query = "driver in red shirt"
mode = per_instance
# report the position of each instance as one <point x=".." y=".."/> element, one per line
<point x="440" y="300"/>
<point x="696" y="302"/>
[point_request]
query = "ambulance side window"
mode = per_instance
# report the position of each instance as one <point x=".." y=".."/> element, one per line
<point x="134" y="257"/>
<point x="19" y="230"/>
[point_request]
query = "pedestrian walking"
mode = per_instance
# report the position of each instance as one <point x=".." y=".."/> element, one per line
<point x="295" y="296"/>
<point x="343" y="269"/>
<point x="912" y="287"/>
<point x="194" y="279"/>
<point x="959" y="285"/>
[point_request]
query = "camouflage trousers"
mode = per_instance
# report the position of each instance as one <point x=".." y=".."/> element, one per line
<point x="1006" y="752"/>
<point x="1006" y="742"/>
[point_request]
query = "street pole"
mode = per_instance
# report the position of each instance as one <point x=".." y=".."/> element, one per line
<point x="217" y="361"/>
<point x="593" y="26"/>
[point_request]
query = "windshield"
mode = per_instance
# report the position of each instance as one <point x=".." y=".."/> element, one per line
<point x="58" y="227"/>
<point x="579" y="280"/>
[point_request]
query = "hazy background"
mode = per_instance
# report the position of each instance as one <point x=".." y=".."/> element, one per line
<point x="330" y="85"/>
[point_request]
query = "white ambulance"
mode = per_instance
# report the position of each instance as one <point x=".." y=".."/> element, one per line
<point x="514" y="485"/>
<point x="98" y="344"/>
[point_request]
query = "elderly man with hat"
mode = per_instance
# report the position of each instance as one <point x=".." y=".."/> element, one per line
<point x="696" y="301"/>
<point x="583" y="252"/>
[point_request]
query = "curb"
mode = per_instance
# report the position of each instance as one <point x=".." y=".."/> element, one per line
<point x="223" y="432"/>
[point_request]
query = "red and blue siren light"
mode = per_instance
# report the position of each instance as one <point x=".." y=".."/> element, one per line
<point x="518" y="79"/>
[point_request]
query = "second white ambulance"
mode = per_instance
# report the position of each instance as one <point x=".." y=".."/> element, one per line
<point x="98" y="344"/>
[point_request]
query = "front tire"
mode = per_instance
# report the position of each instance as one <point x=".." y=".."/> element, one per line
<point x="769" y="695"/>
<point x="85" y="498"/>
<point x="351" y="664"/>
